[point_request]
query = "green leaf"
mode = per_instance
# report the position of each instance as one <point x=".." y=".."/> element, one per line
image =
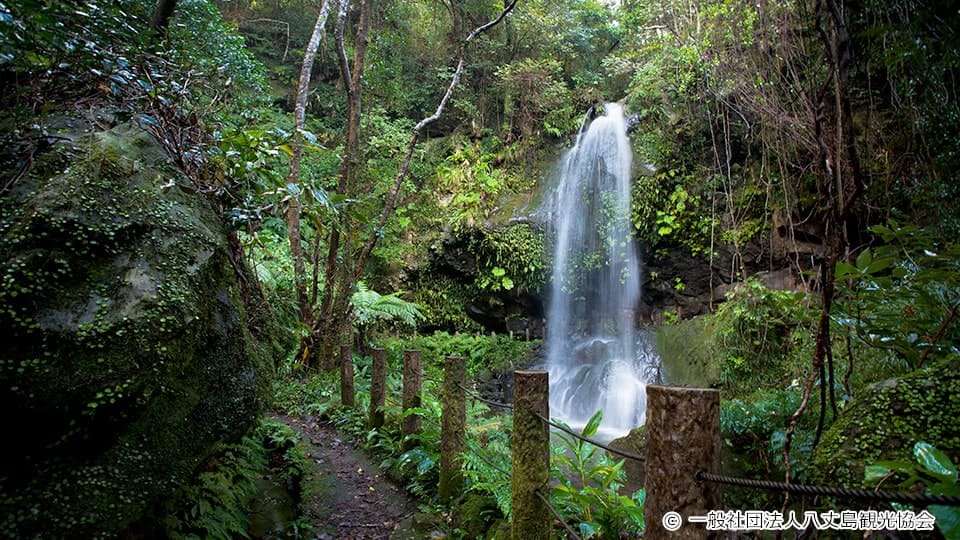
<point x="507" y="283"/>
<point x="845" y="271"/>
<point x="593" y="424"/>
<point x="947" y="520"/>
<point x="873" y="474"/>
<point x="864" y="258"/>
<point x="878" y="265"/>
<point x="881" y="469"/>
<point x="935" y="462"/>
<point x="425" y="465"/>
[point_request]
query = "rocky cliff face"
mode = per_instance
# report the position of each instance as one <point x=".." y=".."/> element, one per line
<point x="126" y="354"/>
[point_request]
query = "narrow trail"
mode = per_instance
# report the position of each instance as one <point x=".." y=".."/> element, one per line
<point x="349" y="498"/>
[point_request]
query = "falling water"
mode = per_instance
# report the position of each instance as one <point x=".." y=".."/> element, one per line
<point x="595" y="357"/>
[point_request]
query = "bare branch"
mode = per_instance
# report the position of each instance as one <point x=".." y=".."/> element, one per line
<point x="391" y="200"/>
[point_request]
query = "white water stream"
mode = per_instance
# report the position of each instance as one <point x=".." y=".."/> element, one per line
<point x="595" y="356"/>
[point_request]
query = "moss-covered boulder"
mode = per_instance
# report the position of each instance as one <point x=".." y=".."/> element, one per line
<point x="887" y="419"/>
<point x="126" y="353"/>
<point x="634" y="443"/>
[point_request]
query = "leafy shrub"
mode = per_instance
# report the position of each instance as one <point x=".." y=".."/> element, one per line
<point x="930" y="468"/>
<point x="217" y="504"/>
<point x="587" y="488"/>
<point x="66" y="45"/>
<point x="487" y="460"/>
<point x="904" y="297"/>
<point x="762" y="334"/>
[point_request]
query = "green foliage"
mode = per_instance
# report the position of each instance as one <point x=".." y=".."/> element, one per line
<point x="487" y="462"/>
<point x="443" y="299"/>
<point x="587" y="488"/>
<point x="217" y="503"/>
<point x="370" y="307"/>
<point x="542" y="99"/>
<point x="930" y="468"/>
<point x="70" y="45"/>
<point x="905" y="296"/>
<point x="215" y="67"/>
<point x="473" y="177"/>
<point x="484" y="353"/>
<point x="305" y="393"/>
<point x="509" y="258"/>
<point x="921" y="405"/>
<point x="763" y="335"/>
<point x="754" y="429"/>
<point x="661" y="216"/>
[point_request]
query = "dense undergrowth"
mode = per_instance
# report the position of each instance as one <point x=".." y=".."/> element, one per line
<point x="587" y="483"/>
<point x="892" y="323"/>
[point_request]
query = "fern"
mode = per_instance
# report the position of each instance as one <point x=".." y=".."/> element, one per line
<point x="488" y="471"/>
<point x="370" y="307"/>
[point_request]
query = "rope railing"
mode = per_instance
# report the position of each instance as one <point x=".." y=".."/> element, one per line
<point x="688" y="442"/>
<point x="477" y="452"/>
<point x="594" y="442"/>
<point x="546" y="501"/>
<point x="844" y="493"/>
<point x="478" y="397"/>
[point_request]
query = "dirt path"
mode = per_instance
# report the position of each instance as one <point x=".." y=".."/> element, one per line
<point x="349" y="498"/>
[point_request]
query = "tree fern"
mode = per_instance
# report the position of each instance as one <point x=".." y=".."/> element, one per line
<point x="370" y="307"/>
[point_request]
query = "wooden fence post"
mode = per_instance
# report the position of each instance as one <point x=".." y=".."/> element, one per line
<point x="412" y="376"/>
<point x="531" y="456"/>
<point x="378" y="388"/>
<point x="683" y="437"/>
<point x="347" y="389"/>
<point x="453" y="423"/>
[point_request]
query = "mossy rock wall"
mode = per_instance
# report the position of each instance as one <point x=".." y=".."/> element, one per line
<point x="126" y="355"/>
<point x="887" y="419"/>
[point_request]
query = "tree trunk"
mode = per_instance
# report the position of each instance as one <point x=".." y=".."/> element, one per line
<point x="161" y="17"/>
<point x="342" y="261"/>
<point x="293" y="177"/>
<point x="841" y="185"/>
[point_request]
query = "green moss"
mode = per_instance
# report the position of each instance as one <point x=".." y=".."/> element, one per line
<point x="689" y="352"/>
<point x="887" y="419"/>
<point x="128" y="338"/>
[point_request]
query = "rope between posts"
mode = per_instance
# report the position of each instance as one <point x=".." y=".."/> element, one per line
<point x="557" y="515"/>
<point x="476" y="451"/>
<point x="849" y="493"/>
<point x="481" y="399"/>
<point x="599" y="444"/>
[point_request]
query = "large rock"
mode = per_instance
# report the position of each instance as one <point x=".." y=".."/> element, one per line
<point x="887" y="419"/>
<point x="126" y="354"/>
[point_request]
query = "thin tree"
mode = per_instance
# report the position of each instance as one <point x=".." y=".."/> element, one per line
<point x="162" y="14"/>
<point x="344" y="264"/>
<point x="293" y="177"/>
<point x="840" y="184"/>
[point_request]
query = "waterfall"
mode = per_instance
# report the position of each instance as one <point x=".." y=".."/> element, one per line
<point x="595" y="356"/>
